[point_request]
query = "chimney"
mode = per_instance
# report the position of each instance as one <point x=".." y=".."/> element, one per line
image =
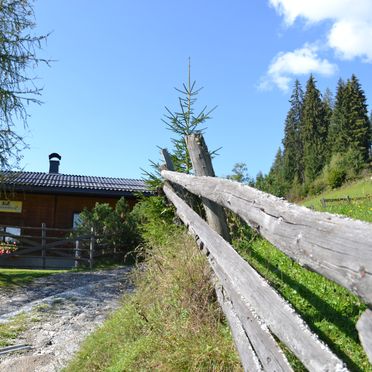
<point x="54" y="159"/>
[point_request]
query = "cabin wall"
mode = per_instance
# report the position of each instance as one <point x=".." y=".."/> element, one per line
<point x="53" y="210"/>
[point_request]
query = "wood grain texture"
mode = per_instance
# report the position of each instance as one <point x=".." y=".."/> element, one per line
<point x="202" y="165"/>
<point x="247" y="355"/>
<point x="277" y="314"/>
<point x="364" y="327"/>
<point x="338" y="248"/>
<point x="265" y="347"/>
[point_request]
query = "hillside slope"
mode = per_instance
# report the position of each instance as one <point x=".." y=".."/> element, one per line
<point x="359" y="208"/>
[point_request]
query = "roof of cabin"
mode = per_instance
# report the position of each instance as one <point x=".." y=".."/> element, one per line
<point x="65" y="183"/>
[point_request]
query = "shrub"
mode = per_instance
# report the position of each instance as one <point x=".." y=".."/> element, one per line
<point x="317" y="186"/>
<point x="113" y="227"/>
<point x="336" y="177"/>
<point x="335" y="172"/>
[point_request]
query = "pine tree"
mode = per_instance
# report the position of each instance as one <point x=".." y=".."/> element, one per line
<point x="186" y="122"/>
<point x="370" y="136"/>
<point x="338" y="134"/>
<point x="314" y="131"/>
<point x="328" y="108"/>
<point x="293" y="150"/>
<point x="275" y="181"/>
<point x="357" y="118"/>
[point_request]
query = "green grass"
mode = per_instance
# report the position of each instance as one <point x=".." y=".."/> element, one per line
<point x="11" y="277"/>
<point x="171" y="323"/>
<point x="357" y="209"/>
<point x="12" y="329"/>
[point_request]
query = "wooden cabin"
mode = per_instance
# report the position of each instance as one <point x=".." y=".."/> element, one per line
<point x="33" y="198"/>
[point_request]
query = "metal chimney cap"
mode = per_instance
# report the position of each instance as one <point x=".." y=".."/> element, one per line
<point x="55" y="155"/>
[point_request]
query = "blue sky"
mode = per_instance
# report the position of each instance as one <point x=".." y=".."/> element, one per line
<point x="117" y="63"/>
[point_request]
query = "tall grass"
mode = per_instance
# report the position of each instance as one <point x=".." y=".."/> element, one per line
<point x="172" y="322"/>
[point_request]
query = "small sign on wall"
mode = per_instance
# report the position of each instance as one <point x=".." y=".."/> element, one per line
<point x="10" y="206"/>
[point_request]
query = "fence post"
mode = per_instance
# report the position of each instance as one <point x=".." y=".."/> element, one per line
<point x="202" y="165"/>
<point x="324" y="205"/>
<point x="91" y="248"/>
<point x="77" y="253"/>
<point x="43" y="244"/>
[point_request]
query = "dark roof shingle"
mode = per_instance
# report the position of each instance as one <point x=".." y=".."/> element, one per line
<point x="39" y="181"/>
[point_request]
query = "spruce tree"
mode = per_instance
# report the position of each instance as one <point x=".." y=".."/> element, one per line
<point x="185" y="122"/>
<point x="338" y="134"/>
<point x="293" y="150"/>
<point x="314" y="131"/>
<point x="328" y="108"/>
<point x="275" y="181"/>
<point x="358" y="126"/>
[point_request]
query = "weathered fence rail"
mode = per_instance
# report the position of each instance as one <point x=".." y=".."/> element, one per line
<point x="336" y="247"/>
<point x="255" y="295"/>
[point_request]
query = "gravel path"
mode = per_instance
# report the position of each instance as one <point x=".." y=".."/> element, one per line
<point x="65" y="308"/>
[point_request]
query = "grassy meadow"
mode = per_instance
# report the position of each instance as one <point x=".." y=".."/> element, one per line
<point x="357" y="209"/>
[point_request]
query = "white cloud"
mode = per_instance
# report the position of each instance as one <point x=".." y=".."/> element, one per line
<point x="299" y="62"/>
<point x="352" y="39"/>
<point x="351" y="32"/>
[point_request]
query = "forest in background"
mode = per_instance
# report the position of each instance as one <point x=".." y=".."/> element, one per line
<point x="327" y="141"/>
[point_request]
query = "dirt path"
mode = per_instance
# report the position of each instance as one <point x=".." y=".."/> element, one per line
<point x="63" y="309"/>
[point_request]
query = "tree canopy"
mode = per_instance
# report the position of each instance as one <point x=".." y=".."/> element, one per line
<point x="18" y="55"/>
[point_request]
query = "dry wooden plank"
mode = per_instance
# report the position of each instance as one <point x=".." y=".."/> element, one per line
<point x="247" y="355"/>
<point x="278" y="315"/>
<point x="265" y="347"/>
<point x="364" y="327"/>
<point x="267" y="350"/>
<point x="337" y="247"/>
<point x="168" y="160"/>
<point x="202" y="165"/>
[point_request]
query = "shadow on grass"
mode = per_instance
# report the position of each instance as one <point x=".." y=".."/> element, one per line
<point x="323" y="309"/>
<point x="20" y="278"/>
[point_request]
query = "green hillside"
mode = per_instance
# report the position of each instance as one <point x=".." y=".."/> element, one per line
<point x="358" y="209"/>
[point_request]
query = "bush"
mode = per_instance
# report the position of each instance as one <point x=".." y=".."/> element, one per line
<point x="113" y="227"/>
<point x="335" y="172"/>
<point x="336" y="177"/>
<point x="353" y="163"/>
<point x="297" y="191"/>
<point x="317" y="186"/>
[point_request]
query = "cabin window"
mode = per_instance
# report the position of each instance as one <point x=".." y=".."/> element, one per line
<point x="76" y="220"/>
<point x="13" y="231"/>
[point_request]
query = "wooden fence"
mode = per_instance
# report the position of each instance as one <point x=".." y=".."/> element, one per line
<point x="45" y="247"/>
<point x="347" y="199"/>
<point x="337" y="248"/>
